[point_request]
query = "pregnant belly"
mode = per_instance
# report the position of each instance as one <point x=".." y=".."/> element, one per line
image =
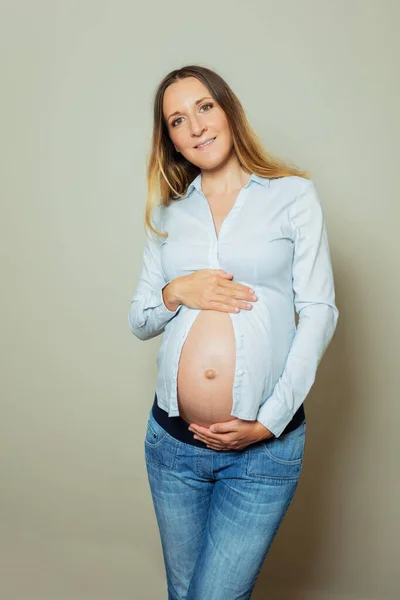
<point x="206" y="370"/>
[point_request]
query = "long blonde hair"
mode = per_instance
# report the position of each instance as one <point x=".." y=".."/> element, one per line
<point x="168" y="171"/>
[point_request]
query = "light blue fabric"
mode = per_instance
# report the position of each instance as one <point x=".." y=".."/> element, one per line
<point x="274" y="240"/>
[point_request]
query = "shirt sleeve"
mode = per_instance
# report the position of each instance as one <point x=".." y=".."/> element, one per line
<point x="314" y="299"/>
<point x="148" y="314"/>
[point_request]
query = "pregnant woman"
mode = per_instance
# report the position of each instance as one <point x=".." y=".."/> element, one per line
<point x="236" y="246"/>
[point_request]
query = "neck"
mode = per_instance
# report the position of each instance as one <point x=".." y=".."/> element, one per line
<point x="224" y="179"/>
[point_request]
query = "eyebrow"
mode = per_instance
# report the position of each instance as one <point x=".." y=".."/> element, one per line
<point x="177" y="112"/>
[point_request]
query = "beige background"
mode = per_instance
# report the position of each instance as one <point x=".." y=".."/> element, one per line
<point x="319" y="82"/>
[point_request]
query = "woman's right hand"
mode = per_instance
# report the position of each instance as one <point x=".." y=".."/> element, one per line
<point x="209" y="289"/>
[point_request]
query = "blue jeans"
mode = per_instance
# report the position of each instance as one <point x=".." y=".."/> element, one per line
<point x="218" y="511"/>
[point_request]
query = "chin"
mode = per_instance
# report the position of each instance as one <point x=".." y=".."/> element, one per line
<point x="211" y="162"/>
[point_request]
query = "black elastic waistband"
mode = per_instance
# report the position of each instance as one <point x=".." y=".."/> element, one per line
<point x="179" y="428"/>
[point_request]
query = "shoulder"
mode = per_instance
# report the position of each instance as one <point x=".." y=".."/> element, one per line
<point x="292" y="186"/>
<point x="304" y="204"/>
<point x="296" y="195"/>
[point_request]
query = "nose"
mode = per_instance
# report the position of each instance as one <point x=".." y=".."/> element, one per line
<point x="197" y="127"/>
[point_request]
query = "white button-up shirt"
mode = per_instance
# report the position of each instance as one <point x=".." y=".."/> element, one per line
<point x="273" y="240"/>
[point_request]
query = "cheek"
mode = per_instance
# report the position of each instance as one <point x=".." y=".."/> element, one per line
<point x="225" y="133"/>
<point x="174" y="139"/>
<point x="182" y="141"/>
<point x="221" y="123"/>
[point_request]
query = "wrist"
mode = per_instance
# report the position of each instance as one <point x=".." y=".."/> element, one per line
<point x="170" y="295"/>
<point x="262" y="432"/>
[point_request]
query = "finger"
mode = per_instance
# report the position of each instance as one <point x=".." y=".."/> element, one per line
<point x="236" y="290"/>
<point x="216" y="447"/>
<point x="223" y="273"/>
<point x="204" y="438"/>
<point x="207" y="441"/>
<point x="221" y="439"/>
<point x="213" y="445"/>
<point x="225" y="427"/>
<point x="205" y="431"/>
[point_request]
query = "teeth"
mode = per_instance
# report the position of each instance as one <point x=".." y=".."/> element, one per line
<point x="205" y="143"/>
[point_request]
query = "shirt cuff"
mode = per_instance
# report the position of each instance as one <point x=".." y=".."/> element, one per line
<point x="274" y="416"/>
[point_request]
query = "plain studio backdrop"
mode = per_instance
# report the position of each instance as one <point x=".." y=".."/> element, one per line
<point x="319" y="81"/>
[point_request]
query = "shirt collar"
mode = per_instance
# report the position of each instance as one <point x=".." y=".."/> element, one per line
<point x="196" y="183"/>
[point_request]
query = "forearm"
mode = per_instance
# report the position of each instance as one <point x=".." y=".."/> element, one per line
<point x="314" y="332"/>
<point x="149" y="314"/>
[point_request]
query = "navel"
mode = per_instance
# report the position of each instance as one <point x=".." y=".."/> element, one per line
<point x="210" y="373"/>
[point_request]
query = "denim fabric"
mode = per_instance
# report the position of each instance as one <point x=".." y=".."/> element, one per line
<point x="219" y="511"/>
<point x="274" y="240"/>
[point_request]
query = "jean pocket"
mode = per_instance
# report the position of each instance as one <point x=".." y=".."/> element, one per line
<point x="279" y="459"/>
<point x="160" y="448"/>
<point x="287" y="449"/>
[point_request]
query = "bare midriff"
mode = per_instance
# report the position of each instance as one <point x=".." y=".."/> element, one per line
<point x="206" y="370"/>
<point x="208" y="358"/>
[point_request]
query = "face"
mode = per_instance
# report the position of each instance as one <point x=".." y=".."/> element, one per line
<point x="194" y="123"/>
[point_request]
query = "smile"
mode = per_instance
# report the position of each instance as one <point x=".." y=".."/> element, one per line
<point x="205" y="145"/>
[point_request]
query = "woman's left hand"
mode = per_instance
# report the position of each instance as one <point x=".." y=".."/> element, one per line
<point x="231" y="435"/>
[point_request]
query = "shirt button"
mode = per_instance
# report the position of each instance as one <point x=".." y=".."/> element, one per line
<point x="240" y="372"/>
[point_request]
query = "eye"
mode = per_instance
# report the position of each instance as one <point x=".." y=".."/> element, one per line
<point x="204" y="105"/>
<point x="208" y="104"/>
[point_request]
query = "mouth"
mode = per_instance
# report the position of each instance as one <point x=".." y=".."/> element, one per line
<point x="205" y="144"/>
